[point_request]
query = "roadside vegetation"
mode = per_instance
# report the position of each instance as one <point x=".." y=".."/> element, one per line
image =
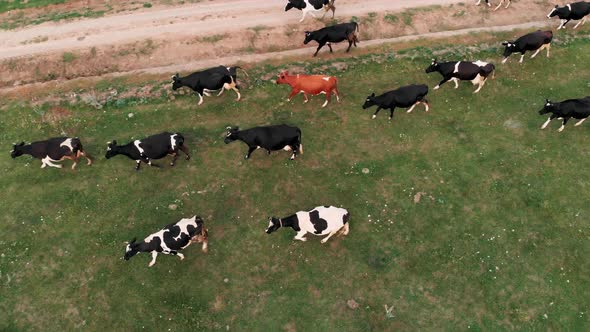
<point x="465" y="217"/>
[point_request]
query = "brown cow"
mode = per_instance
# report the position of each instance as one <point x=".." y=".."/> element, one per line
<point x="310" y="84"/>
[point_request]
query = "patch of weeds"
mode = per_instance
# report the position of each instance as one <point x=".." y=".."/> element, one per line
<point x="93" y="51"/>
<point x="68" y="57"/>
<point x="459" y="14"/>
<point x="147" y="5"/>
<point x="407" y="18"/>
<point x="391" y="18"/>
<point x="213" y="39"/>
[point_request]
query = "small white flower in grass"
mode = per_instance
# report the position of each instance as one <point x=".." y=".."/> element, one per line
<point x="130" y="115"/>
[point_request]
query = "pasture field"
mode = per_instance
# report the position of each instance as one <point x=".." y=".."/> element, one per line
<point x="469" y="217"/>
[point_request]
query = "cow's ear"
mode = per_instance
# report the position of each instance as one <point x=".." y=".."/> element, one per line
<point x="556" y="6"/>
<point x="21" y="144"/>
<point x="373" y="94"/>
<point x="114" y="142"/>
<point x="133" y="241"/>
<point x="505" y="43"/>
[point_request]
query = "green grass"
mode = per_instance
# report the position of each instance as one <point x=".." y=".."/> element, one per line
<point x="20" y="19"/>
<point x="20" y="4"/>
<point x="502" y="244"/>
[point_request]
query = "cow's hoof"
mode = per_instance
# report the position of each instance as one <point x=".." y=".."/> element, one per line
<point x="374" y="117"/>
<point x="188" y="158"/>
<point x="436" y="87"/>
<point x="171" y="164"/>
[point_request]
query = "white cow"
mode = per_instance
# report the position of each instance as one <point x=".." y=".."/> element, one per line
<point x="323" y="220"/>
<point x="312" y="7"/>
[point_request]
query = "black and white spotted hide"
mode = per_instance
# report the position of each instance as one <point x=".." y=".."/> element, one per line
<point x="477" y="72"/>
<point x="171" y="239"/>
<point x="150" y="148"/>
<point x="534" y="41"/>
<point x="323" y="220"/>
<point x="312" y="7"/>
<point x="572" y="108"/>
<point x="573" y="11"/>
<point x="53" y="150"/>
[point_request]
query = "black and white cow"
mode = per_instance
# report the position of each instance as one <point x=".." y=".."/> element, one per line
<point x="208" y="80"/>
<point x="499" y="5"/>
<point x="171" y="239"/>
<point x="150" y="148"/>
<point x="270" y="138"/>
<point x="404" y="97"/>
<point x="311" y="7"/>
<point x="565" y="110"/>
<point x="334" y="34"/>
<point x="573" y="11"/>
<point x="52" y="150"/>
<point x="323" y="220"/>
<point x="477" y="72"/>
<point x="534" y="41"/>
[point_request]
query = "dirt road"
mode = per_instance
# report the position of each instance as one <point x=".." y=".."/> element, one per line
<point x="209" y="18"/>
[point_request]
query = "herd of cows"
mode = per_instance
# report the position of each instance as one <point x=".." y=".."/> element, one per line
<point x="322" y="220"/>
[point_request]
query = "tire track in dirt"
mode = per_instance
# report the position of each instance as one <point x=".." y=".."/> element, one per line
<point x="202" y="19"/>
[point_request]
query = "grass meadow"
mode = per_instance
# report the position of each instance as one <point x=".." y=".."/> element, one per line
<point x="499" y="240"/>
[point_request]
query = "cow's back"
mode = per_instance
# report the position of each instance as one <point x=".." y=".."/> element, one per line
<point x="315" y="84"/>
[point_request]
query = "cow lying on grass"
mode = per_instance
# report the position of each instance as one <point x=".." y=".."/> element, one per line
<point x="150" y="148"/>
<point x="52" y="150"/>
<point x="312" y="7"/>
<point x="477" y="72"/>
<point x="404" y="97"/>
<point x="534" y="41"/>
<point x="171" y="239"/>
<point x="565" y="110"/>
<point x="323" y="220"/>
<point x="270" y="138"/>
<point x="310" y="84"/>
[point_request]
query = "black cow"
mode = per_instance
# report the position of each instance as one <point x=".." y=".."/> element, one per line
<point x="534" y="41"/>
<point x="571" y="108"/>
<point x="477" y="72"/>
<point x="208" y="80"/>
<point x="573" y="11"/>
<point x="52" y="150"/>
<point x="171" y="239"/>
<point x="322" y="220"/>
<point x="404" y="97"/>
<point x="270" y="138"/>
<point x="499" y="5"/>
<point x="312" y="6"/>
<point x="153" y="147"/>
<point x="334" y="34"/>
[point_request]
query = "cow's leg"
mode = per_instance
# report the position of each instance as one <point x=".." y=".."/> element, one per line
<point x="85" y="155"/>
<point x="581" y="22"/>
<point x="478" y="2"/>
<point x="184" y="149"/>
<point x="345" y="229"/>
<point x="138" y="161"/>
<point x="47" y="162"/>
<point x="200" y="98"/>
<point x="305" y="98"/>
<point x="319" y="48"/>
<point x="377" y="111"/>
<point x="481" y="83"/>
<point x="444" y="80"/>
<point x="221" y="92"/>
<point x="327" y="237"/>
<point x="293" y="93"/>
<point x="300" y="236"/>
<point x="154" y="256"/>
<point x="499" y="5"/>
<point x="149" y="162"/>
<point x="328" y="99"/>
<point x="537" y="51"/>
<point x="303" y="13"/>
<point x="350" y="41"/>
<point x="174" y="157"/>
<point x="508" y="4"/>
<point x="580" y="122"/>
<point x="391" y="112"/>
<point x="456" y="81"/>
<point x="232" y="86"/>
<point x="75" y="160"/>
<point x="250" y="150"/>
<point x="206" y="92"/>
<point x="548" y="48"/>
<point x="565" y="120"/>
<point x="547" y="122"/>
<point x="330" y="46"/>
<point x="563" y="23"/>
<point x="176" y="253"/>
<point x="521" y="58"/>
<point x="426" y="105"/>
<point x="412" y="108"/>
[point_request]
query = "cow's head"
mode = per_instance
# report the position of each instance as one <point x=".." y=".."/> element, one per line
<point x="132" y="249"/>
<point x="308" y="37"/>
<point x="176" y="82"/>
<point x="282" y="77"/>
<point x="509" y="48"/>
<point x="559" y="11"/>
<point x="433" y="67"/>
<point x="273" y="225"/>
<point x="547" y="108"/>
<point x="17" y="150"/>
<point x="230" y="136"/>
<point x="111" y="149"/>
<point x="370" y="101"/>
